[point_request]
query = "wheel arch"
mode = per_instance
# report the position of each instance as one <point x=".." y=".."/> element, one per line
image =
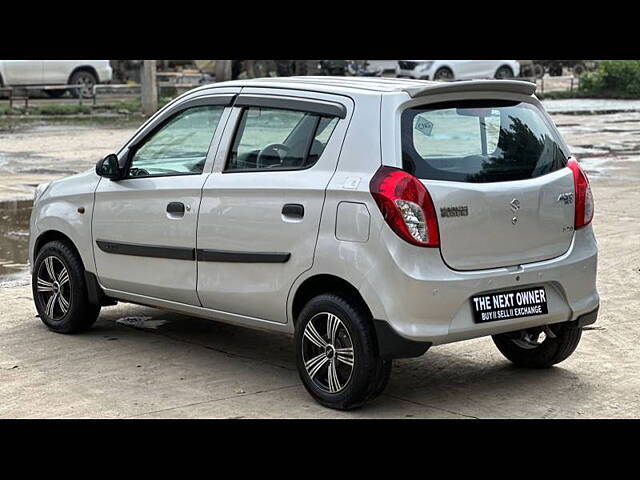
<point x="324" y="283"/>
<point x="51" y="236"/>
<point x="504" y="65"/>
<point x="443" y="66"/>
<point x="84" y="68"/>
<point x="54" y="227"/>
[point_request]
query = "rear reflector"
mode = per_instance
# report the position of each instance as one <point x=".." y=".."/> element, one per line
<point x="584" y="197"/>
<point x="406" y="206"/>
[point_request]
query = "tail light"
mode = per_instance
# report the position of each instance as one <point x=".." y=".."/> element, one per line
<point x="584" y="197"/>
<point x="406" y="206"/>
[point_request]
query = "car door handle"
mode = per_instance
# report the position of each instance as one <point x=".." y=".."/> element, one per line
<point x="176" y="209"/>
<point x="293" y="211"/>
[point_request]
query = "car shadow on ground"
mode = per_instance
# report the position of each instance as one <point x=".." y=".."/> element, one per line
<point x="466" y="379"/>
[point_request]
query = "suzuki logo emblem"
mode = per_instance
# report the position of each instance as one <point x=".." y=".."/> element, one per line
<point x="515" y="204"/>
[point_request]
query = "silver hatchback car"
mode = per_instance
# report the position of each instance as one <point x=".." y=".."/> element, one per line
<point x="370" y="218"/>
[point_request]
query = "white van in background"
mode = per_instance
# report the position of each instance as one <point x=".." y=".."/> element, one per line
<point x="55" y="72"/>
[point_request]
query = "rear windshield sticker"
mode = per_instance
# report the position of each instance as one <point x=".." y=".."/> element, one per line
<point x="423" y="125"/>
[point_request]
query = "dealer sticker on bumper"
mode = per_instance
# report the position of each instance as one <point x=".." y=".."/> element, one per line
<point x="511" y="304"/>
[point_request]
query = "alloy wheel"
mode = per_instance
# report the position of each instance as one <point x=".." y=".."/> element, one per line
<point x="444" y="74"/>
<point x="504" y="72"/>
<point x="54" y="287"/>
<point x="87" y="82"/>
<point x="327" y="352"/>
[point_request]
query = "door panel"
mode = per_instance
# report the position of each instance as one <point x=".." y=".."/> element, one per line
<point x="144" y="226"/>
<point x="23" y="72"/>
<point x="257" y="229"/>
<point x="469" y="69"/>
<point x="57" y="71"/>
<point x="133" y="212"/>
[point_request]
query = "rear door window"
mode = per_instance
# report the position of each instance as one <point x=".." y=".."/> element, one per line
<point x="278" y="139"/>
<point x="479" y="141"/>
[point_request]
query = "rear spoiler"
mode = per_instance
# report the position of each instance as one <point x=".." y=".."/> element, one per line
<point x="512" y="86"/>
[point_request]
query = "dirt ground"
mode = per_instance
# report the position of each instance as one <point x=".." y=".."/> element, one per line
<point x="139" y="362"/>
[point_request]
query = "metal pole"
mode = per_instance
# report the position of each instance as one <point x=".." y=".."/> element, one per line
<point x="149" y="87"/>
<point x="223" y="70"/>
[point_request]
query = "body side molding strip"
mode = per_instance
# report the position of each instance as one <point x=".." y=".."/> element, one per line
<point x="183" y="253"/>
<point x="204" y="255"/>
<point x="138" y="250"/>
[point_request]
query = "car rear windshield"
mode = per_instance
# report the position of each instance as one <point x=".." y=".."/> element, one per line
<point x="479" y="141"/>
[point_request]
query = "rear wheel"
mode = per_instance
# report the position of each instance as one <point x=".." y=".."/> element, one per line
<point x="539" y="347"/>
<point x="87" y="80"/>
<point x="59" y="290"/>
<point x="538" y="70"/>
<point x="336" y="352"/>
<point x="504" y="72"/>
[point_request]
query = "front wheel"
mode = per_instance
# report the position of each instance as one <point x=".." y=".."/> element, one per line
<point x="539" y="347"/>
<point x="336" y="353"/>
<point x="59" y="290"/>
<point x="443" y="74"/>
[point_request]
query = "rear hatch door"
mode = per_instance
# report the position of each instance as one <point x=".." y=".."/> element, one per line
<point x="496" y="171"/>
<point x="501" y="224"/>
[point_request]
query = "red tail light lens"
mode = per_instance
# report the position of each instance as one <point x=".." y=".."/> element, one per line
<point x="584" y="197"/>
<point x="406" y="206"/>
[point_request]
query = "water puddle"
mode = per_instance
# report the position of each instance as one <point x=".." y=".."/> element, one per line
<point x="611" y="166"/>
<point x="14" y="239"/>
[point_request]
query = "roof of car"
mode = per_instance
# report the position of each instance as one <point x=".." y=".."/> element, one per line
<point x="415" y="88"/>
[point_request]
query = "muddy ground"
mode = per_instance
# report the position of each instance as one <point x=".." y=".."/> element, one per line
<point x="144" y="362"/>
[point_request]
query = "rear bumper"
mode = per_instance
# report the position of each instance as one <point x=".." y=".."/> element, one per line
<point x="586" y="319"/>
<point x="423" y="300"/>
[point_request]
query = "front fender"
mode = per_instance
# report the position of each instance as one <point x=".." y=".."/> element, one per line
<point x="67" y="208"/>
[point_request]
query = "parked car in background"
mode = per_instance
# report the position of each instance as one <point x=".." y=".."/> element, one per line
<point x="56" y="72"/>
<point x="386" y="66"/>
<point x="457" y="69"/>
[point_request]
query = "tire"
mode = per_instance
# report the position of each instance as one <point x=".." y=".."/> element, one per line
<point x="382" y="378"/>
<point x="55" y="93"/>
<point x="84" y="77"/>
<point x="504" y="72"/>
<point x="555" y="70"/>
<point x="579" y="69"/>
<point x="80" y="315"/>
<point x="443" y="73"/>
<point x="538" y="70"/>
<point x="367" y="375"/>
<point x="548" y="352"/>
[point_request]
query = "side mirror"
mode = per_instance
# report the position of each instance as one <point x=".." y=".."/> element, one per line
<point x="109" y="167"/>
